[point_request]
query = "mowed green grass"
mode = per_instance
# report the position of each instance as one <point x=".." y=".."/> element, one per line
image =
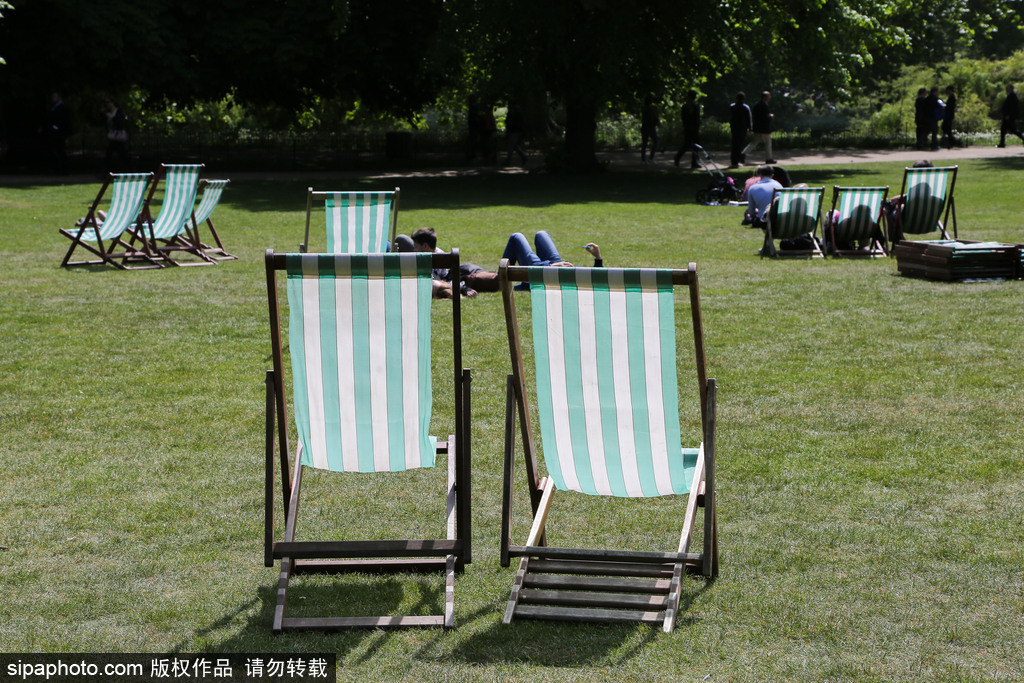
<point x="870" y="447"/>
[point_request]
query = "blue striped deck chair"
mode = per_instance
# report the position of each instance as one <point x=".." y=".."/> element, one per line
<point x="854" y="225"/>
<point x="795" y="212"/>
<point x="103" y="237"/>
<point x="925" y="204"/>
<point x="606" y="386"/>
<point x="174" y="229"/>
<point x="360" y="350"/>
<point x="210" y="192"/>
<point x="356" y="222"/>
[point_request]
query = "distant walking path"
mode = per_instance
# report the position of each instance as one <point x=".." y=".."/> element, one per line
<point x="617" y="161"/>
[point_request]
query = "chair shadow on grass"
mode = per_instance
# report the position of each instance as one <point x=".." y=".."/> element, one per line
<point x="480" y="637"/>
<point x="562" y="643"/>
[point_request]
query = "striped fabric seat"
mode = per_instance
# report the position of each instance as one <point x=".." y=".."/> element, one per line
<point x="607" y="399"/>
<point x="208" y="201"/>
<point x="928" y="200"/>
<point x="128" y="192"/>
<point x="794" y="212"/>
<point x="181" y="181"/>
<point x="359" y="334"/>
<point x="359" y="341"/>
<point x="174" y="229"/>
<point x="855" y="217"/>
<point x="209" y="197"/>
<point x="356" y="222"/>
<point x="607" y="393"/>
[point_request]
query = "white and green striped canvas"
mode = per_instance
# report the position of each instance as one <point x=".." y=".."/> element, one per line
<point x="925" y="199"/>
<point x="359" y="339"/>
<point x="859" y="211"/>
<point x="358" y="222"/>
<point x="796" y="211"/>
<point x="180" y="185"/>
<point x="128" y="191"/>
<point x="209" y="199"/>
<point x="607" y="389"/>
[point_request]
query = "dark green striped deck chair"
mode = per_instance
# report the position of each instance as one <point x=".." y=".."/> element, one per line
<point x="855" y="221"/>
<point x="356" y="222"/>
<point x="605" y="389"/>
<point x="794" y="213"/>
<point x="360" y="349"/>
<point x="104" y="237"/>
<point x="210" y="192"/>
<point x="927" y="203"/>
<point x="173" y="230"/>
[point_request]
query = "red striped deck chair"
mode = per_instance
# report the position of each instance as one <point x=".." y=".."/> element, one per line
<point x="360" y="350"/>
<point x="606" y="388"/>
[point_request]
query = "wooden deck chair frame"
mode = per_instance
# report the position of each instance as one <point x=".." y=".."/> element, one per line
<point x="579" y="584"/>
<point x="866" y="226"/>
<point x="174" y="228"/>
<point x="448" y="555"/>
<point x="780" y="223"/>
<point x="210" y="192"/>
<point x="360" y="242"/>
<point x="128" y="193"/>
<point x="898" y="226"/>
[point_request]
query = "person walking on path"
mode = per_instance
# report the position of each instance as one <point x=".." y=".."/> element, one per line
<point x="1010" y="112"/>
<point x="690" y="114"/>
<point x="739" y="124"/>
<point x="649" y="122"/>
<point x="762" y="127"/>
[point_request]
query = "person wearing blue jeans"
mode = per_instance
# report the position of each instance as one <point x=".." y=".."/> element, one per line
<point x="518" y="251"/>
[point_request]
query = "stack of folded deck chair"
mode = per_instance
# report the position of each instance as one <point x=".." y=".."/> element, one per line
<point x="959" y="259"/>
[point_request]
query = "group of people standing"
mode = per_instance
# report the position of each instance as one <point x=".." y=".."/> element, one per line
<point x="482" y="129"/>
<point x="929" y="110"/>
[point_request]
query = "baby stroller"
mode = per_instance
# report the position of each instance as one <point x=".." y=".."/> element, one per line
<point x="721" y="188"/>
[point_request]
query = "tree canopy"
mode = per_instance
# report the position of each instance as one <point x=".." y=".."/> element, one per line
<point x="395" y="58"/>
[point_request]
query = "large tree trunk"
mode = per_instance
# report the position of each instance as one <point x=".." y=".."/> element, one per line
<point x="580" y="135"/>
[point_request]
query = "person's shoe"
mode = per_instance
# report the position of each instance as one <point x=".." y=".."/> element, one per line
<point x="1000" y="145"/>
<point x="771" y="161"/>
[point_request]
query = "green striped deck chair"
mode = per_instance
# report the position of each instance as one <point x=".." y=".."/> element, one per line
<point x="357" y="222"/>
<point x="174" y="229"/>
<point x="794" y="212"/>
<point x="210" y="192"/>
<point x="360" y="349"/>
<point x="855" y="219"/>
<point x="606" y="387"/>
<point x="927" y="203"/>
<point x="104" y="238"/>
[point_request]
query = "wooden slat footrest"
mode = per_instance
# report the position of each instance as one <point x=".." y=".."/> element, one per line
<point x="306" y="550"/>
<point x="368" y="566"/>
<point x="584" y="567"/>
<point x="589" y="615"/>
<point x="344" y="623"/>
<point x="578" y="598"/>
<point x="597" y="583"/>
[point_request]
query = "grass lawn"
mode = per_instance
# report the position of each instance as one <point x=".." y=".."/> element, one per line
<point x="870" y="446"/>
